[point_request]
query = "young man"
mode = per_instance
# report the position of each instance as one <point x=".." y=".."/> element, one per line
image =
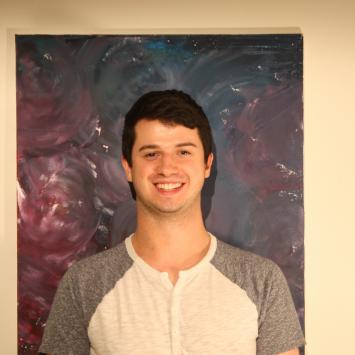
<point x="171" y="287"/>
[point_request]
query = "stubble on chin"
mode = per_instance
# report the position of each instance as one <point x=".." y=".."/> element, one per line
<point x="164" y="212"/>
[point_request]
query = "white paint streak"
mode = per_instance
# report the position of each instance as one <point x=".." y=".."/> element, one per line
<point x="285" y="170"/>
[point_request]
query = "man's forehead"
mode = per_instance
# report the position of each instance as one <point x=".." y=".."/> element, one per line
<point x="145" y="128"/>
<point x="154" y="134"/>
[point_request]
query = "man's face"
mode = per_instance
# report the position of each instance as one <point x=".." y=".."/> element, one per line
<point x="168" y="168"/>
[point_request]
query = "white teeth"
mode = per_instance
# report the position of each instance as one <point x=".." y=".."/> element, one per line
<point x="169" y="186"/>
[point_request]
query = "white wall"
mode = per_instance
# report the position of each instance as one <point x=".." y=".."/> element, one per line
<point x="329" y="44"/>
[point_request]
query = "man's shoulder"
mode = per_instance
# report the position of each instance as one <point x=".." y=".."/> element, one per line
<point x="242" y="260"/>
<point x="253" y="273"/>
<point x="111" y="262"/>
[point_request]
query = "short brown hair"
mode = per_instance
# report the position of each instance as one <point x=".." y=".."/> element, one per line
<point x="171" y="107"/>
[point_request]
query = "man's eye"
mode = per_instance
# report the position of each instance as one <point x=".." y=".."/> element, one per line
<point x="151" y="155"/>
<point x="185" y="152"/>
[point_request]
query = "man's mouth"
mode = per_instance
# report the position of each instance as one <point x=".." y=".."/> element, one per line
<point x="169" y="186"/>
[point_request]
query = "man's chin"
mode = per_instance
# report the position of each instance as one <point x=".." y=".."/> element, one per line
<point x="163" y="210"/>
<point x="171" y="210"/>
<point x="167" y="208"/>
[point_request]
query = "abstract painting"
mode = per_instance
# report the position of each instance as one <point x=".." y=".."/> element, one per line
<point x="73" y="199"/>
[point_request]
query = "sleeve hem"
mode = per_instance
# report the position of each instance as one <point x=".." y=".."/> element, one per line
<point x="296" y="344"/>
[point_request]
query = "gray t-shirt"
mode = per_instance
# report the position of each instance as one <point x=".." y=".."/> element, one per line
<point x="231" y="302"/>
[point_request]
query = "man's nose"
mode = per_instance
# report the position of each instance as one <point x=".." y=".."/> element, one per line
<point x="167" y="165"/>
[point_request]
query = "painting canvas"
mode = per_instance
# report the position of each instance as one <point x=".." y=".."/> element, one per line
<point x="73" y="199"/>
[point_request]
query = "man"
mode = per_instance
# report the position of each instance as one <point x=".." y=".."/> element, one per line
<point x="171" y="287"/>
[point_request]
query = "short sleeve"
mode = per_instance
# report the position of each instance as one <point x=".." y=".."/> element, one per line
<point x="279" y="327"/>
<point x="65" y="331"/>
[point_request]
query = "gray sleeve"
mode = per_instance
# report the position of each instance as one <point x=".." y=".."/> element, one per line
<point x="66" y="331"/>
<point x="279" y="328"/>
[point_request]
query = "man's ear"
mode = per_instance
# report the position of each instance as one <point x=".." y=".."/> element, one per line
<point x="127" y="169"/>
<point x="208" y="165"/>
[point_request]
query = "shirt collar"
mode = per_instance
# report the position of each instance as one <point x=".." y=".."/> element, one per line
<point x="159" y="276"/>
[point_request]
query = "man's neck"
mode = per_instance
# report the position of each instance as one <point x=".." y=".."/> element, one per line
<point x="171" y="244"/>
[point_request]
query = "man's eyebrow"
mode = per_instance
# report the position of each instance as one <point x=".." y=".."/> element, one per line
<point x="186" y="144"/>
<point x="155" y="146"/>
<point x="148" y="146"/>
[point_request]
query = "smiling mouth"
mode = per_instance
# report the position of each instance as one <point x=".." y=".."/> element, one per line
<point x="169" y="186"/>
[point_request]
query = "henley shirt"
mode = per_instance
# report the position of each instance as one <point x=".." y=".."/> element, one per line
<point x="231" y="302"/>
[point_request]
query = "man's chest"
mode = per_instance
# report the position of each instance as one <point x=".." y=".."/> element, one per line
<point x="207" y="314"/>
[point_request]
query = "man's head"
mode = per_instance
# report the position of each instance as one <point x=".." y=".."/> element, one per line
<point x="170" y="107"/>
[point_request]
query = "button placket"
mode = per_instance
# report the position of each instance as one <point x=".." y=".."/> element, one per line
<point x="175" y="318"/>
